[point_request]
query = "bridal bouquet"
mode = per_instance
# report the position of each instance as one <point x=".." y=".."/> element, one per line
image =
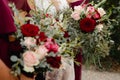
<point x="43" y="39"/>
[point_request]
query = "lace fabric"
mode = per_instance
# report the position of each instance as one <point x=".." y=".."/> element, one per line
<point x="45" y="4"/>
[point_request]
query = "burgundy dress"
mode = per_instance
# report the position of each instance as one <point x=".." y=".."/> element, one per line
<point x="6" y="27"/>
<point x="78" y="56"/>
<point x="21" y="4"/>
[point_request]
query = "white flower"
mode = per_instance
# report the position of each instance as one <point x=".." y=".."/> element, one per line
<point x="101" y="11"/>
<point x="79" y="8"/>
<point x="29" y="42"/>
<point x="99" y="27"/>
<point x="28" y="69"/>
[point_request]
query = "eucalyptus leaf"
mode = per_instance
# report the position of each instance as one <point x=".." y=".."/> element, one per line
<point x="14" y="58"/>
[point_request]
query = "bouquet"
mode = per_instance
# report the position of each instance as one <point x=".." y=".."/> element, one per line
<point x="44" y="40"/>
<point x="91" y="25"/>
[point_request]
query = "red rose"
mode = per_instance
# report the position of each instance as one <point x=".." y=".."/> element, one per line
<point x="55" y="62"/>
<point x="42" y="36"/>
<point x="87" y="24"/>
<point x="29" y="30"/>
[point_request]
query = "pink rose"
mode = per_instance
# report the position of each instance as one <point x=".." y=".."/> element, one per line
<point x="30" y="59"/>
<point x="55" y="47"/>
<point x="90" y="11"/>
<point x="51" y="45"/>
<point x="41" y="51"/>
<point x="96" y="15"/>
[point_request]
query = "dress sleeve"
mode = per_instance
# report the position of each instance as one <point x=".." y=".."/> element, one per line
<point x="78" y="3"/>
<point x="6" y="20"/>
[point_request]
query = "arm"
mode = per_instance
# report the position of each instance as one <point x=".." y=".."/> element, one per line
<point x="77" y="2"/>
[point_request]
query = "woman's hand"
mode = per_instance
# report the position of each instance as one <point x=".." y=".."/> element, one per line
<point x="11" y="38"/>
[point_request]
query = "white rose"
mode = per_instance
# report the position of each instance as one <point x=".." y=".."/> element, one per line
<point x="99" y="27"/>
<point x="101" y="11"/>
<point x="28" y="69"/>
<point x="29" y="42"/>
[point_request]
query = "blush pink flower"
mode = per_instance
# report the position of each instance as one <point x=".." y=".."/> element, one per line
<point x="41" y="51"/>
<point x="75" y="15"/>
<point x="30" y="59"/>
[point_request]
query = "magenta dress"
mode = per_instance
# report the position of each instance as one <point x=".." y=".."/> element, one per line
<point x="78" y="69"/>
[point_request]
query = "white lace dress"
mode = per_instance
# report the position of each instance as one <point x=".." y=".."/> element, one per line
<point x="44" y="4"/>
<point x="66" y="72"/>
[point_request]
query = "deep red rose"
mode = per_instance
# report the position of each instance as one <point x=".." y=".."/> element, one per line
<point x="29" y="30"/>
<point x="42" y="36"/>
<point x="55" y="62"/>
<point x="66" y="34"/>
<point x="87" y="24"/>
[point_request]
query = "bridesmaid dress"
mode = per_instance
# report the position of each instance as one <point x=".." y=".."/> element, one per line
<point x="7" y="27"/>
